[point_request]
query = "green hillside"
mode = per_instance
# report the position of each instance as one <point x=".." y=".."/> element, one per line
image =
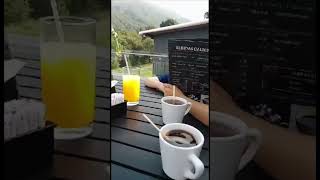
<point x="138" y="15"/>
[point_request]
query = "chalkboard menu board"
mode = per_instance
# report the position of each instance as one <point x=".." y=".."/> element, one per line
<point x="263" y="54"/>
<point x="188" y="66"/>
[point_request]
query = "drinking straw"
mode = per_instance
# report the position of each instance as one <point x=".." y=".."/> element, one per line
<point x="174" y="91"/>
<point x="174" y="94"/>
<point x="57" y="21"/>
<point x="155" y="126"/>
<point x="127" y="65"/>
<point x="145" y="116"/>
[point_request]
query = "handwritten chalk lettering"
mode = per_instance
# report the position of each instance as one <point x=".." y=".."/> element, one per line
<point x="186" y="48"/>
<point x="188" y="66"/>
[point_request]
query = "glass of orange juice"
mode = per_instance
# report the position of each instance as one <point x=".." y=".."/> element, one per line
<point x="68" y="71"/>
<point x="131" y="85"/>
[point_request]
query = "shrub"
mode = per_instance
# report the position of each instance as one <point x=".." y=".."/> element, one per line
<point x="16" y="11"/>
<point x="42" y="8"/>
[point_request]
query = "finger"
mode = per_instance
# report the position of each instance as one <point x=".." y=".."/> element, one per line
<point x="167" y="85"/>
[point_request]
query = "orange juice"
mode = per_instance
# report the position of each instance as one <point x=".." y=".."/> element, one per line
<point x="131" y="88"/>
<point x="68" y="83"/>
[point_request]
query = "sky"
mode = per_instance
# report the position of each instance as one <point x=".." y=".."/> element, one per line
<point x="191" y="9"/>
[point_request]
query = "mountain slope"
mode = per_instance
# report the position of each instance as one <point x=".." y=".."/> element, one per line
<point x="136" y="15"/>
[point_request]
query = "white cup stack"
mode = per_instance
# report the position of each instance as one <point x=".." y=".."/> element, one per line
<point x="22" y="116"/>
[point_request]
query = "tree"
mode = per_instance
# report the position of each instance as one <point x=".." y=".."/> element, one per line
<point x="117" y="47"/>
<point x="16" y="11"/>
<point x="131" y="41"/>
<point x="149" y="27"/>
<point x="168" y="22"/>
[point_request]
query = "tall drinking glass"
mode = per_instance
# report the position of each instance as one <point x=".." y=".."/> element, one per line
<point x="131" y="86"/>
<point x="68" y="75"/>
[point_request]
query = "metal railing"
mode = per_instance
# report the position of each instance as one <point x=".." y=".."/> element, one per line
<point x="160" y="62"/>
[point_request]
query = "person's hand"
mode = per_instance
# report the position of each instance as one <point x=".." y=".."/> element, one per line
<point x="220" y="100"/>
<point x="168" y="91"/>
<point x="153" y="82"/>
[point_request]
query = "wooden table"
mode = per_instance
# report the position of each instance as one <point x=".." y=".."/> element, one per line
<point x="135" y="152"/>
<point x="135" y="149"/>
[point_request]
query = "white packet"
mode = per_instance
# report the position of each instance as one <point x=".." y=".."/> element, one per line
<point x="117" y="98"/>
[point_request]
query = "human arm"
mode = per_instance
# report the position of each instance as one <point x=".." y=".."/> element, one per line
<point x="199" y="110"/>
<point x="283" y="154"/>
<point x="154" y="82"/>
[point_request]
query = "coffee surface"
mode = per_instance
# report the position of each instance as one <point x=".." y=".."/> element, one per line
<point x="222" y="131"/>
<point x="180" y="138"/>
<point x="174" y="102"/>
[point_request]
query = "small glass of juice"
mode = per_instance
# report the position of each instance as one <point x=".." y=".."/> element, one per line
<point x="131" y="85"/>
<point x="68" y="73"/>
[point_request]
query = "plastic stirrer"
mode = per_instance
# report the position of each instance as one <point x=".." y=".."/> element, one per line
<point x="57" y="21"/>
<point x="174" y="94"/>
<point x="127" y="65"/>
<point x="155" y="126"/>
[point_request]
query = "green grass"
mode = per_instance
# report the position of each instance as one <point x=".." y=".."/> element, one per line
<point x="145" y="70"/>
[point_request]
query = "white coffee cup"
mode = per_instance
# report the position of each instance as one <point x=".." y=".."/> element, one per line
<point x="230" y="154"/>
<point x="181" y="162"/>
<point x="172" y="113"/>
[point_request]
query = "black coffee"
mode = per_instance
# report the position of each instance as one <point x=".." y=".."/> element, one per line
<point x="174" y="102"/>
<point x="180" y="138"/>
<point x="222" y="131"/>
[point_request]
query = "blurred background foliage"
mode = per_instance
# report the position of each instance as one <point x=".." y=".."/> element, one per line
<point x="22" y="16"/>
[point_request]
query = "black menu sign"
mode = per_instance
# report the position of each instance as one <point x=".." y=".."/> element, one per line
<point x="188" y="66"/>
<point x="263" y="55"/>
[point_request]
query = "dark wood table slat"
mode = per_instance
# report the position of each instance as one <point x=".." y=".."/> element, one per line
<point x="73" y="168"/>
<point x="138" y="115"/>
<point x="101" y="131"/>
<point x="150" y="104"/>
<point x="87" y="148"/>
<point x="103" y="103"/>
<point x="120" y="172"/>
<point x="102" y="115"/>
<point x="137" y="158"/>
<point x="102" y="83"/>
<point x="134" y="125"/>
<point x="144" y="97"/>
<point x="28" y="81"/>
<point x="146" y="110"/>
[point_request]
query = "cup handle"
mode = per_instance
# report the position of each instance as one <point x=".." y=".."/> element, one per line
<point x="198" y="168"/>
<point x="189" y="104"/>
<point x="254" y="136"/>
